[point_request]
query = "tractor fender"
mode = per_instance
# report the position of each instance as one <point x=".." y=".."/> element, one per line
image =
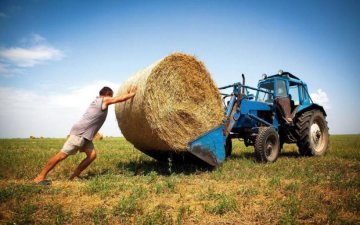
<point x="310" y="107"/>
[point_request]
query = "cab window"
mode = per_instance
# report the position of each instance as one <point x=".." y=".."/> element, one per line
<point x="294" y="92"/>
<point x="266" y="97"/>
<point x="281" y="88"/>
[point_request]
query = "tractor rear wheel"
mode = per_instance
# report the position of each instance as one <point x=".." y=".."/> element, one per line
<point x="228" y="147"/>
<point x="267" y="145"/>
<point x="313" y="133"/>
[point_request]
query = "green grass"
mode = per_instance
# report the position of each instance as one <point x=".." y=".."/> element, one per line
<point x="124" y="186"/>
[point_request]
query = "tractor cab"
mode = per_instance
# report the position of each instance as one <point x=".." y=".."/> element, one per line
<point x="284" y="91"/>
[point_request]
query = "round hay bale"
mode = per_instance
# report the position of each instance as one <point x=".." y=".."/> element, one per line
<point x="176" y="101"/>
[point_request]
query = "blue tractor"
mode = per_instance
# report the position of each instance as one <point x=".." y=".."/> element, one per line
<point x="281" y="111"/>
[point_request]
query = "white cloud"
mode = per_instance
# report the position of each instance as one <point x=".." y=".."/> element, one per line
<point x="26" y="112"/>
<point x="81" y="96"/>
<point x="35" y="51"/>
<point x="320" y="97"/>
<point x="29" y="57"/>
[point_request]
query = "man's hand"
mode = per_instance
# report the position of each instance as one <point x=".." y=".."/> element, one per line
<point x="131" y="89"/>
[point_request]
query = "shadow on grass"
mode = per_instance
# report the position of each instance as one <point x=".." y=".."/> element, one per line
<point x="92" y="174"/>
<point x="290" y="154"/>
<point x="251" y="155"/>
<point x="182" y="165"/>
<point x="177" y="165"/>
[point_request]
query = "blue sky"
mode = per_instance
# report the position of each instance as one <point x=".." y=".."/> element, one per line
<point x="55" y="55"/>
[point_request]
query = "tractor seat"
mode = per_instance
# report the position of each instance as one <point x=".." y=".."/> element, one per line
<point x="283" y="105"/>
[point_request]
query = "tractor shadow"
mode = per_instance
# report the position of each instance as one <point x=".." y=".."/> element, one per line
<point x="290" y="155"/>
<point x="181" y="165"/>
<point x="251" y="155"/>
<point x="177" y="165"/>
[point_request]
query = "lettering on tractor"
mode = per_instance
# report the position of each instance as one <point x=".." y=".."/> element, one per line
<point x="282" y="111"/>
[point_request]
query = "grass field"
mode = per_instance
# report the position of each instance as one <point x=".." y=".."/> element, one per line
<point x="123" y="186"/>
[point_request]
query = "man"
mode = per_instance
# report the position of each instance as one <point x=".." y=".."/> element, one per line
<point x="83" y="132"/>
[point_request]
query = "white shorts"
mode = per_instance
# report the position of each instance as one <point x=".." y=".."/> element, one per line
<point x="75" y="143"/>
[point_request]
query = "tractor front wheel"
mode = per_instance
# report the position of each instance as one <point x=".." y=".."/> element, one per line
<point x="267" y="145"/>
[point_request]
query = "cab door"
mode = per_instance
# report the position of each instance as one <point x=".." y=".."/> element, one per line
<point x="282" y="99"/>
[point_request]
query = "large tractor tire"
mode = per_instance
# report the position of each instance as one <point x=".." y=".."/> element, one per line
<point x="313" y="133"/>
<point x="267" y="145"/>
<point x="228" y="147"/>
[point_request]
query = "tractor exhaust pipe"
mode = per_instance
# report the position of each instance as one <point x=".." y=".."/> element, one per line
<point x="243" y="82"/>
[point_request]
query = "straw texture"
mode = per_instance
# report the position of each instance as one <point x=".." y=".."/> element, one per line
<point x="176" y="101"/>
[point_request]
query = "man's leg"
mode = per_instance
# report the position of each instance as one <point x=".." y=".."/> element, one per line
<point x="49" y="166"/>
<point x="90" y="156"/>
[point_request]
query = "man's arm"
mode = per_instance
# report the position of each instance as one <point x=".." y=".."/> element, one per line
<point x="112" y="100"/>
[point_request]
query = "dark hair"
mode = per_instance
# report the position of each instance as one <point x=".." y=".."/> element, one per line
<point x="106" y="91"/>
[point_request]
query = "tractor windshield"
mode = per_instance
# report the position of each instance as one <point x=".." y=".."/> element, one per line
<point x="264" y="96"/>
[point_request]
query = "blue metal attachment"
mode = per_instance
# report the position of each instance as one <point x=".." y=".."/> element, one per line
<point x="210" y="147"/>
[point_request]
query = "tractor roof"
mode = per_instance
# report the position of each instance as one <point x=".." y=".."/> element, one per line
<point x="283" y="74"/>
